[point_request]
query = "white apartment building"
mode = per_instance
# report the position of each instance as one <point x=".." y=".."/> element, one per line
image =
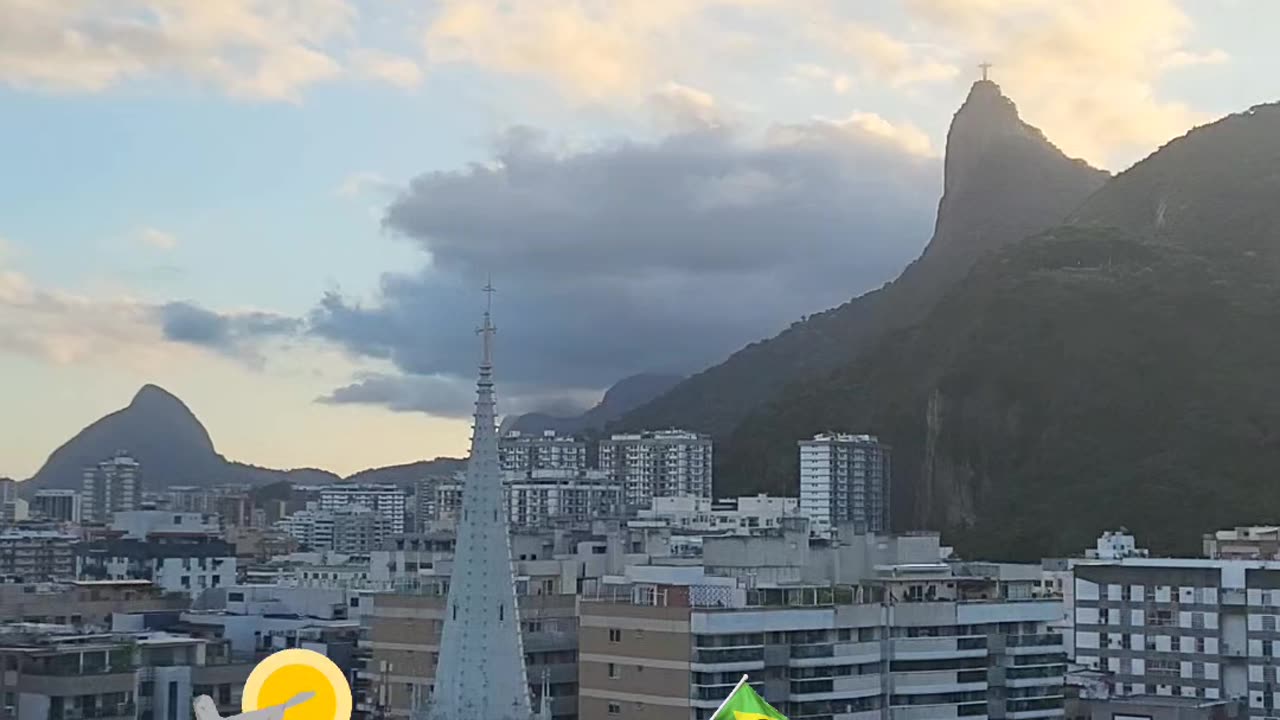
<point x="1250" y="542"/>
<point x="661" y="463"/>
<point x="387" y="500"/>
<point x="1194" y="628"/>
<point x="113" y="485"/>
<point x="58" y="505"/>
<point x="525" y="452"/>
<point x="541" y="498"/>
<point x="349" y="529"/>
<point x="743" y="515"/>
<point x="845" y="479"/>
<point x="163" y="525"/>
<point x="189" y="568"/>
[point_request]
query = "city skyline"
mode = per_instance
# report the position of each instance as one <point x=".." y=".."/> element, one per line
<point x="283" y="216"/>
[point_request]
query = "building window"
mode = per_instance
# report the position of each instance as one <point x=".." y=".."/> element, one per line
<point x="615" y="708"/>
<point x="615" y="635"/>
<point x="1269" y="622"/>
<point x="613" y="671"/>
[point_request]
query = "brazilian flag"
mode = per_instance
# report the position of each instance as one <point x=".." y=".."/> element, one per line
<point x="744" y="704"/>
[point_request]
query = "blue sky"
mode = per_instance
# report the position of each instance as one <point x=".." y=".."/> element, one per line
<point x="245" y="157"/>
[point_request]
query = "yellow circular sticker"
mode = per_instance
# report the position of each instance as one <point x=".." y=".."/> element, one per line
<point x="303" y="684"/>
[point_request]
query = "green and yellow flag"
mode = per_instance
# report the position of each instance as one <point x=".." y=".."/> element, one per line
<point x="744" y="704"/>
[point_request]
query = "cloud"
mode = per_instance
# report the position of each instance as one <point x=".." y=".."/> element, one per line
<point x="158" y="239"/>
<point x="231" y="334"/>
<point x="630" y="256"/>
<point x="806" y="73"/>
<point x="392" y="69"/>
<point x="587" y="49"/>
<point x="453" y="396"/>
<point x="883" y="58"/>
<point x="247" y="48"/>
<point x="358" y="183"/>
<point x="1086" y="72"/>
<point x="681" y="108"/>
<point x="66" y="329"/>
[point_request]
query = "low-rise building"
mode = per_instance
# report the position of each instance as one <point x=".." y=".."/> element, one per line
<point x="188" y="568"/>
<point x="165" y="526"/>
<point x="37" y="555"/>
<point x="57" y="505"/>
<point x="1250" y="542"/>
<point x="83" y="604"/>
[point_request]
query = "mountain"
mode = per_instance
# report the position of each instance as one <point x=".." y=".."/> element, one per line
<point x="174" y="448"/>
<point x="406" y="475"/>
<point x="1115" y="371"/>
<point x="1002" y="182"/>
<point x="625" y="395"/>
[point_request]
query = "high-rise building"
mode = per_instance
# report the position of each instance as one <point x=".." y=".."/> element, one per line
<point x="542" y="498"/>
<point x="110" y="486"/>
<point x="387" y="500"/>
<point x="8" y="489"/>
<point x="845" y="479"/>
<point x="663" y="463"/>
<point x="481" y="674"/>
<point x="525" y="452"/>
<point x="59" y="505"/>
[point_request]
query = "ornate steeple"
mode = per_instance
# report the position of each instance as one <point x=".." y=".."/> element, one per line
<point x="481" y="673"/>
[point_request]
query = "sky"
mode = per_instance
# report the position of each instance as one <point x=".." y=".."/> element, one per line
<point x="282" y="211"/>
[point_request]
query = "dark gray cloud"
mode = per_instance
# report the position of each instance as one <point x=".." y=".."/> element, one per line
<point x="227" y="333"/>
<point x="449" y="396"/>
<point x="632" y="257"/>
<point x="629" y="257"/>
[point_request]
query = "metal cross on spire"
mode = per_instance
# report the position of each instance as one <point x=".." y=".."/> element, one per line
<point x="487" y="330"/>
<point x="984" y="67"/>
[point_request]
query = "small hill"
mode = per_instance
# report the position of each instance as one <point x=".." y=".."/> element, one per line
<point x="1003" y="181"/>
<point x="625" y="395"/>
<point x="1117" y="371"/>
<point x="406" y="475"/>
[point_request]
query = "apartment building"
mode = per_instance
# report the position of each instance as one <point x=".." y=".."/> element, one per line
<point x="348" y="529"/>
<point x="742" y="515"/>
<point x="57" y="505"/>
<point x="60" y="674"/>
<point x="918" y="642"/>
<point x="845" y="479"/>
<point x="83" y="604"/>
<point x="662" y="463"/>
<point x="188" y="568"/>
<point x="401" y="643"/>
<point x="544" y="498"/>
<point x="1197" y="628"/>
<point x="113" y="485"/>
<point x="387" y="500"/>
<point x="525" y="452"/>
<point x="1250" y="542"/>
<point x="37" y="555"/>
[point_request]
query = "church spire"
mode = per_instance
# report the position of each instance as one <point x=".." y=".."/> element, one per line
<point x="481" y="674"/>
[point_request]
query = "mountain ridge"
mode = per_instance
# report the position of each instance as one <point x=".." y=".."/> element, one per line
<point x="993" y="160"/>
<point x="174" y="448"/>
<point x="1114" y="370"/>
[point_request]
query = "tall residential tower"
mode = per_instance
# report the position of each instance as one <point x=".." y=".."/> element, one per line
<point x="481" y="673"/>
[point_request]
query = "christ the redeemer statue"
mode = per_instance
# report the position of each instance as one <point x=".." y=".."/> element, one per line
<point x="207" y="710"/>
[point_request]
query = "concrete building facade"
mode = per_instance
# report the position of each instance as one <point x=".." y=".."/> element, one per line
<point x="387" y="500"/>
<point x="662" y="463"/>
<point x="113" y="485"/>
<point x="525" y="452"/>
<point x="57" y="505"/>
<point x="845" y="479"/>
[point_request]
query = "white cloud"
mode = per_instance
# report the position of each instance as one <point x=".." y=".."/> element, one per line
<point x="806" y="73"/>
<point x="588" y="49"/>
<point x="258" y="49"/>
<point x="358" y="183"/>
<point x="682" y="108"/>
<point x="885" y="58"/>
<point x="65" y="329"/>
<point x="158" y="239"/>
<point x="396" y="70"/>
<point x="1086" y="71"/>
<point x="904" y="135"/>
